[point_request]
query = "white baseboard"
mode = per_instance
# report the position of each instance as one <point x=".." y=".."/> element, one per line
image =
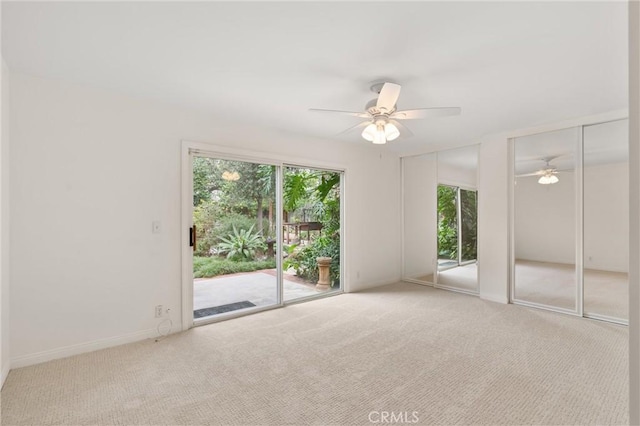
<point x="66" y="351"/>
<point x="495" y="298"/>
<point x="374" y="284"/>
<point x="4" y="373"/>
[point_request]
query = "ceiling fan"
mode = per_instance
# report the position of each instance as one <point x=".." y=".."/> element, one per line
<point x="381" y="115"/>
<point x="548" y="174"/>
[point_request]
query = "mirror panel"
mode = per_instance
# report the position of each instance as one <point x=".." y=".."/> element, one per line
<point x="606" y="219"/>
<point x="545" y="219"/>
<point x="419" y="198"/>
<point x="457" y="219"/>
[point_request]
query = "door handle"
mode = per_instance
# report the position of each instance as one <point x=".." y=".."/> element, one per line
<point x="192" y="237"/>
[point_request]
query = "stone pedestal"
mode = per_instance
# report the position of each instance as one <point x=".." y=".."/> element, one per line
<point x="324" y="280"/>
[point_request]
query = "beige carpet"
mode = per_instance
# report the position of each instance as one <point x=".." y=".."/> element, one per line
<point x="464" y="277"/>
<point x="452" y="358"/>
<point x="554" y="284"/>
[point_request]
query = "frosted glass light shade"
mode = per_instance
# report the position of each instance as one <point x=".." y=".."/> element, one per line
<point x="369" y="132"/>
<point x="548" y="179"/>
<point x="380" y="133"/>
<point x="391" y="132"/>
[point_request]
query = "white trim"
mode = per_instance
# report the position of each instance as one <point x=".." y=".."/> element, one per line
<point x="66" y="351"/>
<point x="4" y="373"/>
<point x="589" y="120"/>
<point x="579" y="225"/>
<point x="261" y="156"/>
<point x="495" y="298"/>
<point x="186" y="251"/>
<point x="457" y="289"/>
<point x="419" y="282"/>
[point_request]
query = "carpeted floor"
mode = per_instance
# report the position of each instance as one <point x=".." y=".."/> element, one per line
<point x="403" y="348"/>
<point x="554" y="284"/>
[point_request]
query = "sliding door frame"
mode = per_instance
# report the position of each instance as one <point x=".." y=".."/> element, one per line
<point x="189" y="149"/>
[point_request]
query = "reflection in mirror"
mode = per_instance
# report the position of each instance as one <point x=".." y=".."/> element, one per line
<point x="419" y="198"/>
<point x="606" y="219"/>
<point x="457" y="219"/>
<point x="545" y="219"/>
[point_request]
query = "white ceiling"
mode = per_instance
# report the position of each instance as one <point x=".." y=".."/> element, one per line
<point x="508" y="65"/>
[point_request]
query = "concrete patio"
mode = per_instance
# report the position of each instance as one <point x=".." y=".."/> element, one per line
<point x="259" y="288"/>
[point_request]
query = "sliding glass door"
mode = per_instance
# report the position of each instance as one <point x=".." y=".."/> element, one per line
<point x="311" y="232"/>
<point x="260" y="235"/>
<point x="234" y="235"/>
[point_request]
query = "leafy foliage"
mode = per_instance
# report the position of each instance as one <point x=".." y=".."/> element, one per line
<point x="447" y="222"/>
<point x="205" y="267"/>
<point x="469" y="224"/>
<point x="327" y="206"/>
<point x="241" y="245"/>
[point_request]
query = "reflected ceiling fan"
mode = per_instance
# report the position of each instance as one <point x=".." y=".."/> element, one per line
<point x="381" y="115"/>
<point x="548" y="174"/>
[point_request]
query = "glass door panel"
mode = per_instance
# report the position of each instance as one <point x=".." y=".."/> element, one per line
<point x="606" y="220"/>
<point x="468" y="226"/>
<point x="447" y="227"/>
<point x="457" y="219"/>
<point x="234" y="263"/>
<point x="311" y="232"/>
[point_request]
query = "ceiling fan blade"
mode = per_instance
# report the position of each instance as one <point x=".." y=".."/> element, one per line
<point x="404" y="131"/>
<point x="412" y="114"/>
<point x="538" y="173"/>
<point x="352" y="113"/>
<point x="356" y="127"/>
<point x="388" y="96"/>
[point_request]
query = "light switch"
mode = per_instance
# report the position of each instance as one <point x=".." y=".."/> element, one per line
<point x="155" y="226"/>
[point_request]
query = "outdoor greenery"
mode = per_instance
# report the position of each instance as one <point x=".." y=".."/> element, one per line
<point x="234" y="213"/>
<point x="469" y="224"/>
<point x="204" y="267"/>
<point x="241" y="245"/>
<point x="448" y="223"/>
<point x="303" y="260"/>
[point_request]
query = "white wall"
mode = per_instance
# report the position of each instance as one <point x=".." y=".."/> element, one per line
<point x="5" y="361"/>
<point x="91" y="170"/>
<point x="420" y="230"/>
<point x="545" y="220"/>
<point x="493" y="220"/>
<point x="456" y="176"/>
<point x="606" y="217"/>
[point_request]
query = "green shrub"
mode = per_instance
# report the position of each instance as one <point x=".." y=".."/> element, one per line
<point x="207" y="267"/>
<point x="241" y="245"/>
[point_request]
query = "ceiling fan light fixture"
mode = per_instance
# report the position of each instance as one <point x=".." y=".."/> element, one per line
<point x="369" y="132"/>
<point x="391" y="132"/>
<point x="380" y="137"/>
<point x="548" y="179"/>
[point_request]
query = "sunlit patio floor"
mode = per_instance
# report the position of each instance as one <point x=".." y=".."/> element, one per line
<point x="259" y="288"/>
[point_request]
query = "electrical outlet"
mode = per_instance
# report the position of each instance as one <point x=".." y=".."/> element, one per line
<point x="159" y="311"/>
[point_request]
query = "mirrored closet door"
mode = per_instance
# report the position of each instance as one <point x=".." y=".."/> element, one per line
<point x="419" y="181"/>
<point x="570" y="243"/>
<point x="457" y="219"/>
<point x="545" y="211"/>
<point x="606" y="220"/>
